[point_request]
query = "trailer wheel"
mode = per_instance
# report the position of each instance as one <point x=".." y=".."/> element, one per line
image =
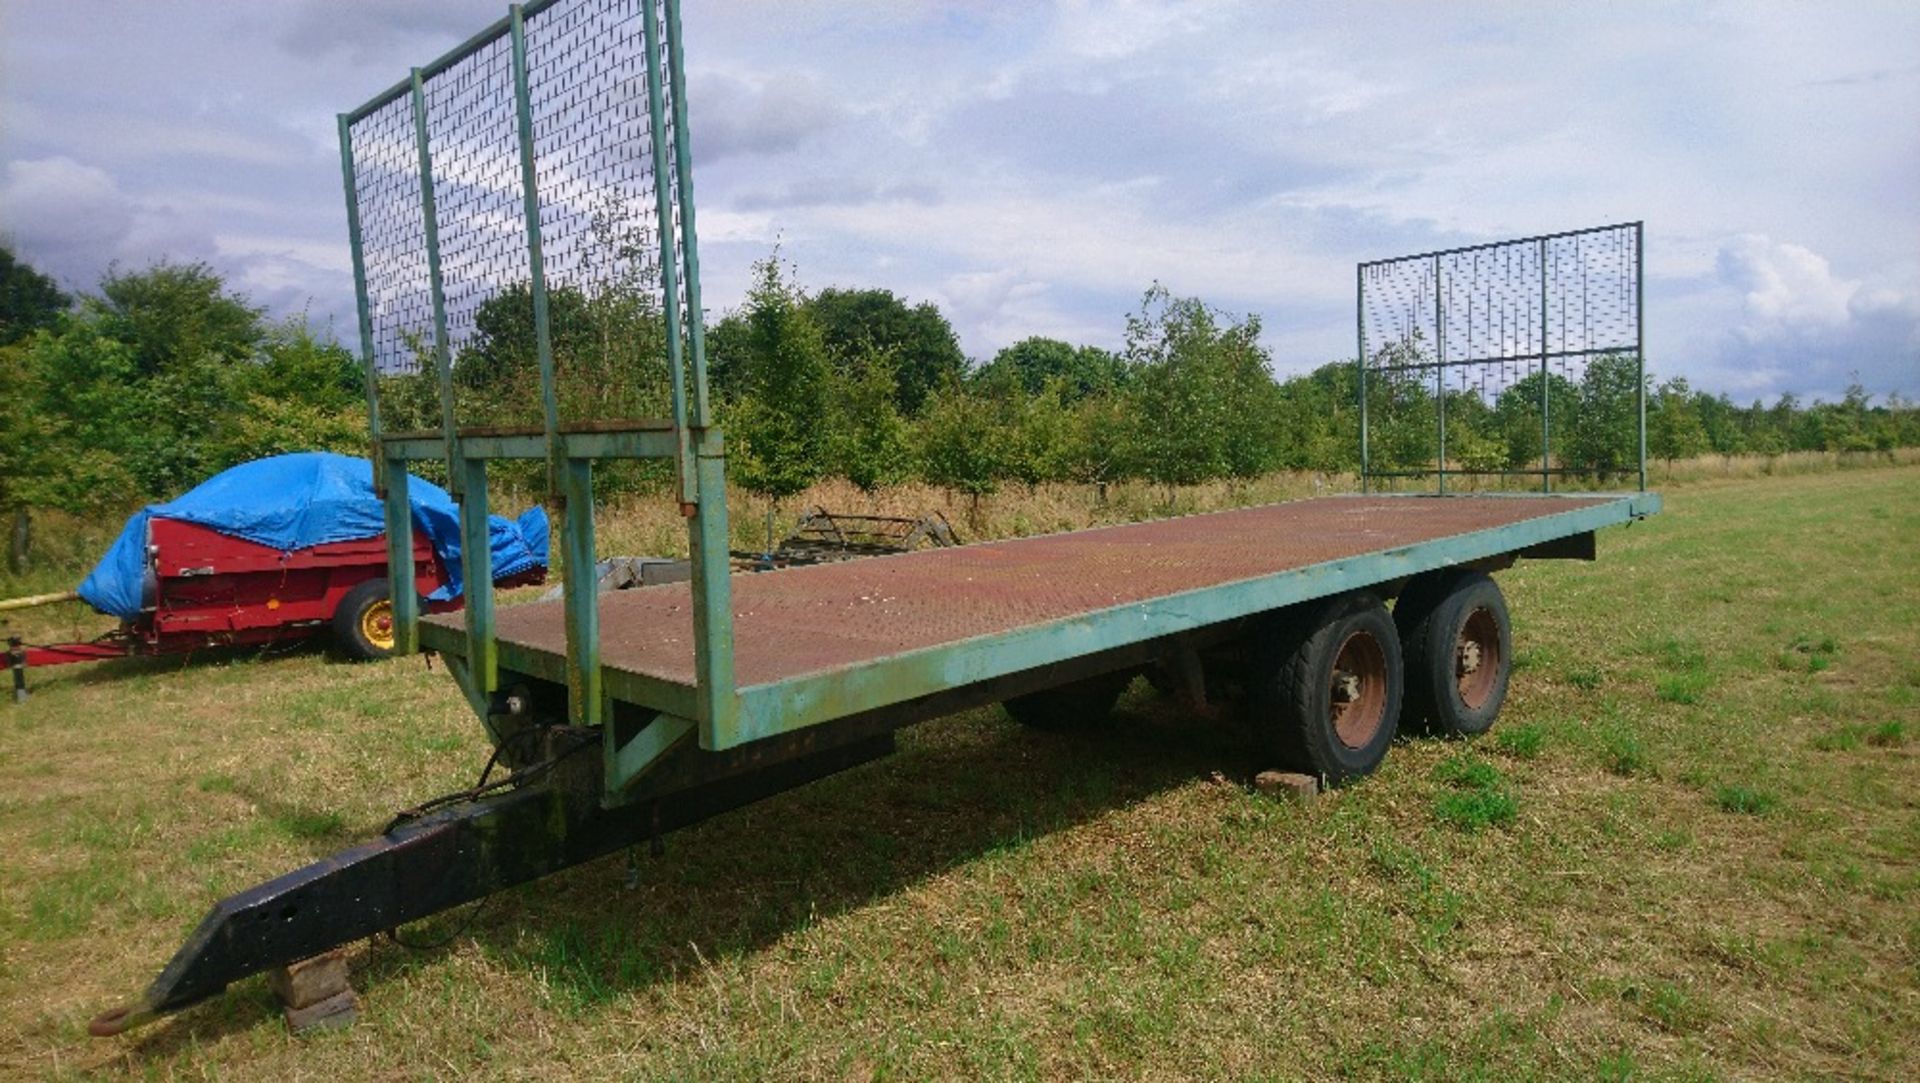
<point x="363" y="623"/>
<point x="1083" y="704"/>
<point x="1458" y="643"/>
<point x="1327" y="696"/>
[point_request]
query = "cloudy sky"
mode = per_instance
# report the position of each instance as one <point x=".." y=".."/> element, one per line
<point x="1032" y="167"/>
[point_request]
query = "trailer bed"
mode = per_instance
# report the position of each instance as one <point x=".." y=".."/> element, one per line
<point x="819" y="631"/>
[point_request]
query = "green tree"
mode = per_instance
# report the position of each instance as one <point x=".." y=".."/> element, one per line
<point x="1402" y="423"/>
<point x="176" y="316"/>
<point x="29" y="300"/>
<point x="1606" y="431"/>
<point x="1674" y="429"/>
<point x="779" y="422"/>
<point x="959" y="446"/>
<point x="301" y="394"/>
<point x="1201" y="391"/>
<point x="1517" y="416"/>
<point x="1035" y="362"/>
<point x="868" y="441"/>
<point x="854" y="322"/>
<point x="1100" y="442"/>
<point x="1320" y="419"/>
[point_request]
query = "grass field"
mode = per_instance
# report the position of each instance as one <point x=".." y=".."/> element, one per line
<point x="1691" y="849"/>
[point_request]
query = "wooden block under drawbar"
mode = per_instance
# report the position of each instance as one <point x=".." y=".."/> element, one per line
<point x="1293" y="787"/>
<point x="310" y="981"/>
<point x="334" y="1013"/>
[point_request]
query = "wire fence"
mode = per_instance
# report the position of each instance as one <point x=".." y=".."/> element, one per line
<point x="1516" y="359"/>
<point x="488" y="181"/>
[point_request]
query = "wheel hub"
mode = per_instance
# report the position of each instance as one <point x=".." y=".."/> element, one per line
<point x="377" y="625"/>
<point x="1469" y="659"/>
<point x="1477" y="659"/>
<point x="1357" y="690"/>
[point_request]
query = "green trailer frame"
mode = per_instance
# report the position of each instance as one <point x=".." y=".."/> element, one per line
<point x="688" y="438"/>
<point x="617" y="733"/>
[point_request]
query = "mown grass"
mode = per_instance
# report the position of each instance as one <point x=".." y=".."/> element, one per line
<point x="1686" y="851"/>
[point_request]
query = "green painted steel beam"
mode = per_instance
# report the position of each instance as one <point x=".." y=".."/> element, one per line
<point x="478" y="700"/>
<point x="689" y="243"/>
<point x="448" y="59"/>
<point x="712" y="588"/>
<point x="625" y="764"/>
<point x="430" y="221"/>
<point x="1640" y="339"/>
<point x="476" y="567"/>
<point x="660" y="695"/>
<point x="1360" y="376"/>
<point x="1546" y="382"/>
<point x="1439" y="377"/>
<point x="640" y="444"/>
<point x="663" y="190"/>
<point x="582" y="598"/>
<point x="364" y="311"/>
<point x="536" y="265"/>
<point x="401" y="586"/>
<point x="784" y="706"/>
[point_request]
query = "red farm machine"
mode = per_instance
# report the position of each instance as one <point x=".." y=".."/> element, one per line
<point x="186" y="586"/>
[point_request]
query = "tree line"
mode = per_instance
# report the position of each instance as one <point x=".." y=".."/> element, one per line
<point x="161" y="377"/>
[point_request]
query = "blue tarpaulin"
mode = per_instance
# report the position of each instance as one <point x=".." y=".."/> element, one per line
<point x="297" y="501"/>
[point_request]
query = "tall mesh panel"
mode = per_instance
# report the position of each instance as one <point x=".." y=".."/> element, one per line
<point x="1509" y="360"/>
<point x="386" y="179"/>
<point x="599" y="227"/>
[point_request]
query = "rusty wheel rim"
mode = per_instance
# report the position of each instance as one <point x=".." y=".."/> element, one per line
<point x="1477" y="658"/>
<point x="1357" y="690"/>
<point x="376" y="624"/>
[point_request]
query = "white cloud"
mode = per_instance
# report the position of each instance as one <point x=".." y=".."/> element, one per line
<point x="756" y="114"/>
<point x="1784" y="284"/>
<point x="1802" y="326"/>
<point x="73" y="221"/>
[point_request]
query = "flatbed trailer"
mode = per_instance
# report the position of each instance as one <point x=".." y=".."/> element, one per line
<point x="622" y="717"/>
<point x="817" y="643"/>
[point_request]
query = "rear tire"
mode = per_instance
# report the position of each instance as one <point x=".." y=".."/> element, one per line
<point x="1083" y="704"/>
<point x="1327" y="687"/>
<point x="363" y="622"/>
<point x="1458" y="643"/>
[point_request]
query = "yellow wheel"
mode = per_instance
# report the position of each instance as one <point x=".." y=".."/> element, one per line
<point x="363" y="624"/>
<point x="376" y="624"/>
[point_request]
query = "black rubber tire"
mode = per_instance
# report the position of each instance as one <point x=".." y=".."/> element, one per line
<point x="1446" y="628"/>
<point x="349" y="630"/>
<point x="1293" y="698"/>
<point x="1083" y="704"/>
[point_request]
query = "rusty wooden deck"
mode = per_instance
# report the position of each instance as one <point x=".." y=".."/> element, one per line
<point x="809" y="620"/>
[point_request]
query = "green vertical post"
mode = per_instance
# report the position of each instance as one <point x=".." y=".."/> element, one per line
<point x="708" y="546"/>
<point x="476" y="572"/>
<point x="689" y="248"/>
<point x="1439" y="377"/>
<point x="402" y="585"/>
<point x="389" y="480"/>
<point x="1640" y="340"/>
<point x="707" y="536"/>
<point x="442" y="352"/>
<point x="582" y="602"/>
<point x="367" y="366"/>
<point x="536" y="266"/>
<point x="1546" y="384"/>
<point x="669" y="265"/>
<point x="1360" y="333"/>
